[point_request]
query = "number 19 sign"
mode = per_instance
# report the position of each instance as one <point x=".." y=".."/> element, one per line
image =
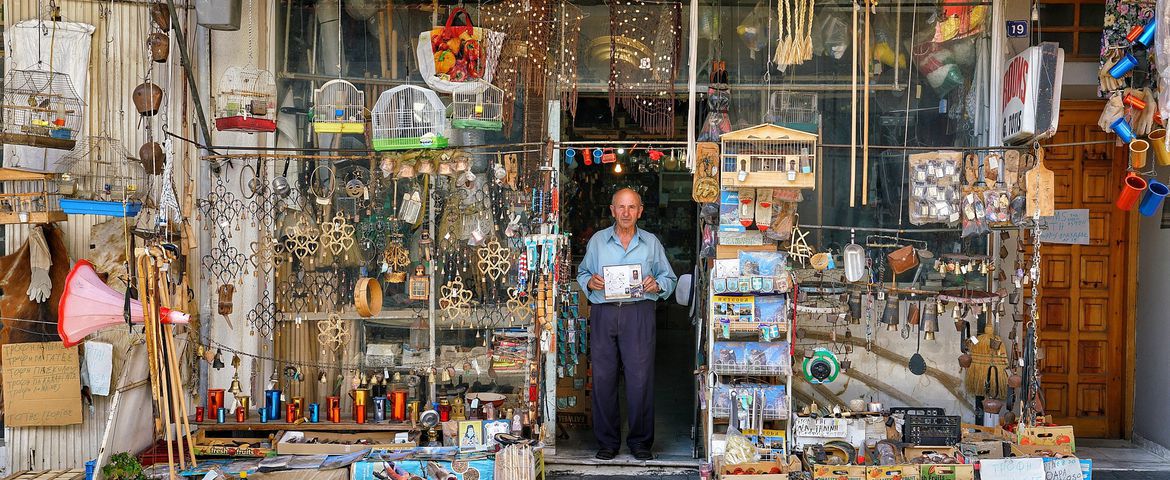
<point x="1031" y="94"/>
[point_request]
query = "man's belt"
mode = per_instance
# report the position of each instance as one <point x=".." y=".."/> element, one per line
<point x="627" y="303"/>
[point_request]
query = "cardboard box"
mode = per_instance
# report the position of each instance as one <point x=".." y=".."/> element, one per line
<point x="985" y="450"/>
<point x="754" y="471"/>
<point x="231" y="446"/>
<point x="376" y="440"/>
<point x="915" y="452"/>
<point x="892" y="472"/>
<point x="979" y="433"/>
<point x="1059" y="439"/>
<point x="841" y="472"/>
<point x="946" y="472"/>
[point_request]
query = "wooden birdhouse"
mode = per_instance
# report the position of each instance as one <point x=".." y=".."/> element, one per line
<point x="768" y="156"/>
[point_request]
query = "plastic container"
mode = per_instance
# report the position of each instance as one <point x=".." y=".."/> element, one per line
<point x="1131" y="192"/>
<point x="90" y="467"/>
<point x="1123" y="66"/>
<point x="1155" y="193"/>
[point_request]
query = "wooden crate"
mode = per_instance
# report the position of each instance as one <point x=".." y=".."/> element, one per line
<point x="72" y="474"/>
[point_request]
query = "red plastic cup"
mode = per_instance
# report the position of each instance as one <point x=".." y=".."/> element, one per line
<point x="198" y="414"/>
<point x="241" y="414"/>
<point x="1131" y="192"/>
<point x="359" y="413"/>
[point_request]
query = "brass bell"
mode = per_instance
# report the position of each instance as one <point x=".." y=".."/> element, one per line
<point x="235" y="389"/>
<point x="217" y="362"/>
<point x="929" y="323"/>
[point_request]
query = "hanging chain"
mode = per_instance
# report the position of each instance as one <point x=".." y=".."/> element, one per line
<point x="1034" y="313"/>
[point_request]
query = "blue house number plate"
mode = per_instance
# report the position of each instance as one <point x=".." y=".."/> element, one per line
<point x="1017" y="28"/>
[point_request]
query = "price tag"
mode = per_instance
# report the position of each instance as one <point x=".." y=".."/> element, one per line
<point x="1017" y="28"/>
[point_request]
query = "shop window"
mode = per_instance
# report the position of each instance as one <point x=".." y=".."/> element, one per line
<point x="1075" y="24"/>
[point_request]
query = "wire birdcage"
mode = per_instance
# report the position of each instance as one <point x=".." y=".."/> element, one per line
<point x="246" y="101"/>
<point x="796" y="110"/>
<point x="769" y="156"/>
<point x="101" y="177"/>
<point x="338" y="107"/>
<point x="40" y="109"/>
<point x="407" y="117"/>
<point x="480" y="108"/>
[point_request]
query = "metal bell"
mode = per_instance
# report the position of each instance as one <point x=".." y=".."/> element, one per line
<point x="890" y="315"/>
<point x="855" y="309"/>
<point x="235" y="389"/>
<point x="929" y="323"/>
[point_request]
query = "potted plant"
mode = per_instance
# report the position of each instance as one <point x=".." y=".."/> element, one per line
<point x="123" y="466"/>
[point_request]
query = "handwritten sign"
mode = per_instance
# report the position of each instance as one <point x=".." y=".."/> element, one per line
<point x="42" y="384"/>
<point x="807" y="430"/>
<point x="1063" y="469"/>
<point x="99" y="365"/>
<point x="1013" y="469"/>
<point x="1066" y="226"/>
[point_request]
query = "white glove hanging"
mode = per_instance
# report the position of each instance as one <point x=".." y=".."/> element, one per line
<point x="40" y="286"/>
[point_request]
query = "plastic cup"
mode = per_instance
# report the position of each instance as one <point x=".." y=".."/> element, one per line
<point x="1137" y="153"/>
<point x="1122" y="128"/>
<point x="1157" y="141"/>
<point x="1155" y="193"/>
<point x="1123" y="66"/>
<point x="1147" y="36"/>
<point x="1131" y="192"/>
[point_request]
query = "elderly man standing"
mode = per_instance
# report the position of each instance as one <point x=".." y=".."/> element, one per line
<point x="622" y="332"/>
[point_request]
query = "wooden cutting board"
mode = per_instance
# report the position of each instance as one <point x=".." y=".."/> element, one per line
<point x="1039" y="181"/>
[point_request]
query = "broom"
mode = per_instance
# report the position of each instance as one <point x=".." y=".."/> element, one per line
<point x="988" y="353"/>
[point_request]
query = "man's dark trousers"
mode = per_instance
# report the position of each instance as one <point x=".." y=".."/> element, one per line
<point x="621" y="337"/>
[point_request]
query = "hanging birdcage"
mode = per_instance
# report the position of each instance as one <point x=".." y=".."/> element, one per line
<point x="769" y="156"/>
<point x="41" y="109"/>
<point x="791" y="109"/>
<point x="100" y="177"/>
<point x="407" y="117"/>
<point x="246" y="101"/>
<point x="480" y="108"/>
<point x="338" y="107"/>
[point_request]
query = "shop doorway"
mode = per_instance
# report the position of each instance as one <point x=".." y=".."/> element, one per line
<point x="1087" y="291"/>
<point x="654" y="165"/>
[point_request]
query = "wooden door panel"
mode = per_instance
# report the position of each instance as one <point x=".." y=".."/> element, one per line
<point x="1083" y="314"/>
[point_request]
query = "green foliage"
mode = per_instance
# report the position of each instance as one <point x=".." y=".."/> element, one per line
<point x="123" y="466"/>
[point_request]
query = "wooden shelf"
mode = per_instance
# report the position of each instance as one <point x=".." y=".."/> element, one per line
<point x="254" y="424"/>
<point x="51" y="216"/>
<point x="13" y="175"/>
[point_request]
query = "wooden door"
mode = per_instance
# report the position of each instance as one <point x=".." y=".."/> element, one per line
<point x="1086" y="306"/>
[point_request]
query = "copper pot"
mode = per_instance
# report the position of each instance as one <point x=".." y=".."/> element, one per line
<point x="992" y="406"/>
<point x="161" y="15"/>
<point x="159" y="45"/>
<point x="147" y="99"/>
<point x="965" y="360"/>
<point x="152" y="156"/>
<point x="1015" y="380"/>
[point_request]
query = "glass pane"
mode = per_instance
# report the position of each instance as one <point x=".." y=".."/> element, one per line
<point x="1065" y="39"/>
<point x="1092" y="14"/>
<point x="1058" y="15"/>
<point x="1089" y="44"/>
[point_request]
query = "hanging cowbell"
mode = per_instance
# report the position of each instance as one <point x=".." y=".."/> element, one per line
<point x="147" y="98"/>
<point x="152" y="157"/>
<point x="929" y="322"/>
<point x="160" y="13"/>
<point x="890" y="315"/>
<point x="159" y="45"/>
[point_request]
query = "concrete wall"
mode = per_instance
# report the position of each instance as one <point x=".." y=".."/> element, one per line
<point x="1153" y="331"/>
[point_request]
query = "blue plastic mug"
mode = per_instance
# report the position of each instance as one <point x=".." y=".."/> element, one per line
<point x="1155" y="193"/>
<point x="1147" y="36"/>
<point x="1123" y="66"/>
<point x="272" y="403"/>
<point x="1122" y="128"/>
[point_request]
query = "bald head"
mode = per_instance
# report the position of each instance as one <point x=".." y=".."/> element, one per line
<point x="626" y="207"/>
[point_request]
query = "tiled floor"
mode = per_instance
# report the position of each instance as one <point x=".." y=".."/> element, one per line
<point x="1120" y="455"/>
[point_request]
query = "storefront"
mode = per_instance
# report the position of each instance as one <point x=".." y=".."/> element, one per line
<point x="354" y="228"/>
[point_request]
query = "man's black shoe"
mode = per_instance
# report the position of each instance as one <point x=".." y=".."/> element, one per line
<point x="606" y="454"/>
<point x="643" y="454"/>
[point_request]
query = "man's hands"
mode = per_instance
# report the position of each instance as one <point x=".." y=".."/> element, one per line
<point x="650" y="285"/>
<point x="596" y="282"/>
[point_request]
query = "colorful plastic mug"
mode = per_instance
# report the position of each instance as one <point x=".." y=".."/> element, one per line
<point x="1147" y="36"/>
<point x="1123" y="66"/>
<point x="1157" y="140"/>
<point x="1122" y="128"/>
<point x="1137" y="153"/>
<point x="1131" y="192"/>
<point x="1155" y="193"/>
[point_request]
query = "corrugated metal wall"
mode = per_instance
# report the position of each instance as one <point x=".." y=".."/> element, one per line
<point x="119" y="62"/>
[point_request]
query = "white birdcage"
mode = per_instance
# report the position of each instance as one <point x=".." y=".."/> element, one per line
<point x="101" y="178"/>
<point x="407" y="117"/>
<point x="769" y="156"/>
<point x="246" y="101"/>
<point x="40" y="109"/>
<point x="480" y="108"/>
<point x="791" y="109"/>
<point x="337" y="108"/>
